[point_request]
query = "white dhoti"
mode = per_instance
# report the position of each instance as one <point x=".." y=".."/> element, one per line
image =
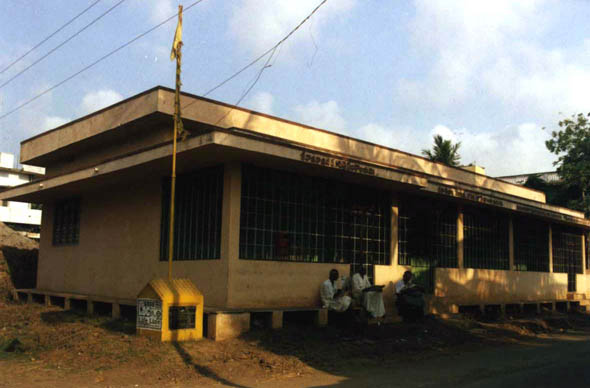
<point x="330" y="300"/>
<point x="339" y="304"/>
<point x="373" y="303"/>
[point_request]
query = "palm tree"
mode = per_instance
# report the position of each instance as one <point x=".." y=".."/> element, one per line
<point x="443" y="151"/>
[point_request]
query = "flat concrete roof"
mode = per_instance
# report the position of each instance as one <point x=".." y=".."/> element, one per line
<point x="117" y="121"/>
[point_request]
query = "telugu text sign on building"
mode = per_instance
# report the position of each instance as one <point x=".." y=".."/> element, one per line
<point x="339" y="163"/>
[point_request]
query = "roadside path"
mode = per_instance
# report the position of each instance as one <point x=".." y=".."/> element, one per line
<point x="552" y="361"/>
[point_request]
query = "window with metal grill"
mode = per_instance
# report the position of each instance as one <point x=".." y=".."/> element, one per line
<point x="66" y="222"/>
<point x="531" y="245"/>
<point x="485" y="234"/>
<point x="567" y="250"/>
<point x="197" y="215"/>
<point x="427" y="238"/>
<point x="290" y="217"/>
<point x="427" y="233"/>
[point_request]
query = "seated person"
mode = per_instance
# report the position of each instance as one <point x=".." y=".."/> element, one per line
<point x="370" y="297"/>
<point x="332" y="296"/>
<point x="410" y="298"/>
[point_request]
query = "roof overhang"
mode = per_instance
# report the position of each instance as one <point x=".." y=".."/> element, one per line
<point x="209" y="149"/>
<point x="155" y="107"/>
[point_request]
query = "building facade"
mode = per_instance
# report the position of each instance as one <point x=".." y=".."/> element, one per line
<point x="21" y="216"/>
<point x="266" y="207"/>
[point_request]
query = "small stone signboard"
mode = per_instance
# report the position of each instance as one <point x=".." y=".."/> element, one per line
<point x="149" y="314"/>
<point x="181" y="317"/>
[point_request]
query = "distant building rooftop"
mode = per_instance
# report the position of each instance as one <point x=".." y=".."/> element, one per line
<point x="549" y="177"/>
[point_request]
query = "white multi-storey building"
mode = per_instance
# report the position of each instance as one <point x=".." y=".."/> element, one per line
<point x="21" y="216"/>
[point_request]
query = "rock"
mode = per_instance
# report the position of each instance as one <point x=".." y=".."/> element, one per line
<point x="12" y="346"/>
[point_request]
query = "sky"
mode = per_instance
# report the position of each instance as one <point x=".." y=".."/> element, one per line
<point x="495" y="75"/>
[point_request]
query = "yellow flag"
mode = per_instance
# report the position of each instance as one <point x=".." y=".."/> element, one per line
<point x="177" y="35"/>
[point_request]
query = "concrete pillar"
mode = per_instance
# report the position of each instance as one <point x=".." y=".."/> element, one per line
<point x="67" y="304"/>
<point x="322" y="318"/>
<point x="276" y="320"/>
<point x="230" y="224"/>
<point x="584" y="258"/>
<point x="460" y="238"/>
<point x="90" y="307"/>
<point x="394" y="247"/>
<point x="511" y="244"/>
<point x="550" y="249"/>
<point x="116" y="310"/>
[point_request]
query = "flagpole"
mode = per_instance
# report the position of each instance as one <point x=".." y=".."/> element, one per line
<point x="177" y="47"/>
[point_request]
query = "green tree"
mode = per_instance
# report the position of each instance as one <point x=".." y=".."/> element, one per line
<point x="443" y="151"/>
<point x="572" y="146"/>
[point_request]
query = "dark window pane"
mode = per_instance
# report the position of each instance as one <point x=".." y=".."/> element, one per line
<point x="197" y="215"/>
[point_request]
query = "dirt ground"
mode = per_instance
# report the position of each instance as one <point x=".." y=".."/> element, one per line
<point x="18" y="262"/>
<point x="50" y="347"/>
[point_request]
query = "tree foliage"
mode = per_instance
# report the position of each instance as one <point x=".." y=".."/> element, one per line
<point x="443" y="151"/>
<point x="572" y="146"/>
<point x="557" y="193"/>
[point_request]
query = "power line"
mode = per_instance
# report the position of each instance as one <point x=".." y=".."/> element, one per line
<point x="95" y="62"/>
<point x="253" y="62"/>
<point x="49" y="37"/>
<point x="62" y="43"/>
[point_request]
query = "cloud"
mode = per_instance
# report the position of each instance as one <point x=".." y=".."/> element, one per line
<point x="321" y="115"/>
<point x="515" y="149"/>
<point x="161" y="9"/>
<point x="261" y="102"/>
<point x="494" y="53"/>
<point x="50" y="122"/>
<point x="258" y="24"/>
<point x="512" y="150"/>
<point x="97" y="100"/>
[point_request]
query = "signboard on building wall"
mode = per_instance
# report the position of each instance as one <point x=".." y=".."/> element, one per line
<point x="338" y="163"/>
<point x="502" y="203"/>
<point x="149" y="314"/>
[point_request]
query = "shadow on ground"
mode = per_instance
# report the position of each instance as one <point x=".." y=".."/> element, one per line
<point x="122" y="326"/>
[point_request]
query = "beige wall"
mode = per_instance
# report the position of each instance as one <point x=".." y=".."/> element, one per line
<point x="118" y="252"/>
<point x="256" y="283"/>
<point x="388" y="275"/>
<point x="474" y="286"/>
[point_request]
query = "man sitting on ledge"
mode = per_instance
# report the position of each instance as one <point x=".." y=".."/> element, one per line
<point x="332" y="296"/>
<point x="410" y="299"/>
<point x="367" y="296"/>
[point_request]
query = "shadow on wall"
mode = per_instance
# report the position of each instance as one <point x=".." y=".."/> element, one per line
<point x="18" y="268"/>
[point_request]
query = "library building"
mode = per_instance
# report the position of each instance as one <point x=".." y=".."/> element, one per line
<point x="266" y="207"/>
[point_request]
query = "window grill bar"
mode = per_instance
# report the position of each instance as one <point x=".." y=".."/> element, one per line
<point x="306" y="214"/>
<point x="197" y="226"/>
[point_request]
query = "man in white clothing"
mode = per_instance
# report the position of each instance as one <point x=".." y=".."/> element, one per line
<point x="410" y="299"/>
<point x="405" y="283"/>
<point x="371" y="298"/>
<point x="332" y="297"/>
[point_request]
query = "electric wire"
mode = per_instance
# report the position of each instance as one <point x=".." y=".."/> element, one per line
<point x="27" y="102"/>
<point x="49" y="37"/>
<point x="61" y="44"/>
<point x="253" y="62"/>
